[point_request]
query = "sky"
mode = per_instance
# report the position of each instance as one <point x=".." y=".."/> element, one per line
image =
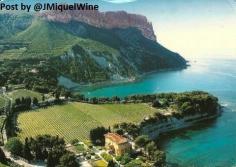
<point x="193" y="28"/>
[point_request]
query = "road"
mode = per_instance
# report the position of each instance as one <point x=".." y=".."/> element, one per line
<point x="8" y="109"/>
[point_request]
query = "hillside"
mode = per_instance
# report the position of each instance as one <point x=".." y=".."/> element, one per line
<point x="11" y="24"/>
<point x="44" y="39"/>
<point x="85" y="52"/>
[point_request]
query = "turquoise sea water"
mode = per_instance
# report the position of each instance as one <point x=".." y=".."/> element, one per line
<point x="211" y="144"/>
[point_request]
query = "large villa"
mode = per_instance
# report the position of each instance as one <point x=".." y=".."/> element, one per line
<point x="117" y="144"/>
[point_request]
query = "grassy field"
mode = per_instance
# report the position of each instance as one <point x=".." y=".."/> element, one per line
<point x="75" y="120"/>
<point x="20" y="93"/>
<point x="24" y="93"/>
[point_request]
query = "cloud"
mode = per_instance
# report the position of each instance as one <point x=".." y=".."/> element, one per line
<point x="120" y="1"/>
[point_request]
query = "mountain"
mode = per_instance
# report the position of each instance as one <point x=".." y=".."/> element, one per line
<point x="87" y="47"/>
<point x="109" y="20"/>
<point x="11" y="24"/>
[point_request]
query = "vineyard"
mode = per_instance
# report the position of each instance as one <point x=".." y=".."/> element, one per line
<point x="75" y="120"/>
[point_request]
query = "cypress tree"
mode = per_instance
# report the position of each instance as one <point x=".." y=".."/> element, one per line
<point x="26" y="151"/>
<point x="50" y="161"/>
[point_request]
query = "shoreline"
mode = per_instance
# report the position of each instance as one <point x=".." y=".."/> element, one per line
<point x="93" y="86"/>
<point x="156" y="131"/>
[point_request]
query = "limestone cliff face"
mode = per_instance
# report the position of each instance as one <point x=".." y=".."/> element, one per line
<point x="154" y="129"/>
<point x="120" y="19"/>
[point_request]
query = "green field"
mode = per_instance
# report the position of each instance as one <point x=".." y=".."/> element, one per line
<point x="24" y="93"/>
<point x="19" y="94"/>
<point x="74" y="121"/>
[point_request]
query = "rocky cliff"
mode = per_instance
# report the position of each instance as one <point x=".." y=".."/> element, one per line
<point x="120" y="19"/>
<point x="154" y="129"/>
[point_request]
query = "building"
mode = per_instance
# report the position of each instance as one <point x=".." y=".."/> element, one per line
<point x="116" y="143"/>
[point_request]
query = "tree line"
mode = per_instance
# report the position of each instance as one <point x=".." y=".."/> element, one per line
<point x="47" y="148"/>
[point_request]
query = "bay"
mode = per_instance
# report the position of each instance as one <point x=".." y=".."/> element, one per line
<point x="209" y="144"/>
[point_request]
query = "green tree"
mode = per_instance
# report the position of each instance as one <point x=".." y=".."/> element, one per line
<point x="57" y="95"/>
<point x="57" y="152"/>
<point x="15" y="146"/>
<point x="68" y="94"/>
<point x="35" y="101"/>
<point x="68" y="160"/>
<point x="187" y="108"/>
<point x="119" y="131"/>
<point x="150" y="149"/>
<point x="159" y="158"/>
<point x="135" y="163"/>
<point x="97" y="135"/>
<point x="26" y="151"/>
<point x="43" y="97"/>
<point x="38" y="152"/>
<point x="50" y="160"/>
<point x="94" y="100"/>
<point x="156" y="104"/>
<point x="141" y="141"/>
<point x="126" y="158"/>
<point x="111" y="164"/>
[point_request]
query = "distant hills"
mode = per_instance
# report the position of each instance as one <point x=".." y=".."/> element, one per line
<point x="87" y="47"/>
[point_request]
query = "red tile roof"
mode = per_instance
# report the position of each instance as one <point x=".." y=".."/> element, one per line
<point x="116" y="138"/>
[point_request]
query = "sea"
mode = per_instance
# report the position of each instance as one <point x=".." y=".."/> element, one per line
<point x="208" y="144"/>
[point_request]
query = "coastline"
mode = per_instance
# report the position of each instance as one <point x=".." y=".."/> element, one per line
<point x="155" y="130"/>
<point x="109" y="83"/>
